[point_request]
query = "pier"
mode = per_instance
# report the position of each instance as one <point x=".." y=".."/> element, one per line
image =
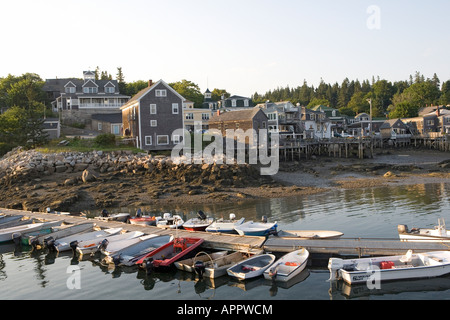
<point x="219" y="241"/>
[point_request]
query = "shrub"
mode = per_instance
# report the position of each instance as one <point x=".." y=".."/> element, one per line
<point x="106" y="139"/>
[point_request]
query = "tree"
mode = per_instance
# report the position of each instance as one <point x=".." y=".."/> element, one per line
<point x="216" y="94"/>
<point x="21" y="91"/>
<point x="121" y="80"/>
<point x="404" y="110"/>
<point x="189" y="90"/>
<point x="445" y="93"/>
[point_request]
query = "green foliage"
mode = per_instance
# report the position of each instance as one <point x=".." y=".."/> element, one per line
<point x="105" y="140"/>
<point x="189" y="90"/>
<point x="404" y="110"/>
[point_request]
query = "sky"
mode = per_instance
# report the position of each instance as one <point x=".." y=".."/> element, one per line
<point x="242" y="46"/>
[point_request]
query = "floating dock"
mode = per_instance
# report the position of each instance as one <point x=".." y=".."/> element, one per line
<point x="220" y="241"/>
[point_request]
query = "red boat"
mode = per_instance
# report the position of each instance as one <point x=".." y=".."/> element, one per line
<point x="143" y="220"/>
<point x="169" y="253"/>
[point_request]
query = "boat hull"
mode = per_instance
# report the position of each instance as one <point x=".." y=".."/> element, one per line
<point x="288" y="266"/>
<point x="196" y="224"/>
<point x="256" y="229"/>
<point x="251" y="267"/>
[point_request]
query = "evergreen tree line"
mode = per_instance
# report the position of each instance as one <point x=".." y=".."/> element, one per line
<point x="398" y="99"/>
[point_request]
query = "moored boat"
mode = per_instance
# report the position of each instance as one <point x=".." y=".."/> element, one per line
<point x="167" y="221"/>
<point x="40" y="241"/>
<point x="252" y="228"/>
<point x="438" y="233"/>
<point x="251" y="267"/>
<point x="9" y="234"/>
<point x="309" y="234"/>
<point x="225" y="226"/>
<point x="94" y="245"/>
<point x="8" y="221"/>
<point x="200" y="223"/>
<point x="143" y="220"/>
<point x="106" y="216"/>
<point x="288" y="266"/>
<point x="67" y="243"/>
<point x="386" y="268"/>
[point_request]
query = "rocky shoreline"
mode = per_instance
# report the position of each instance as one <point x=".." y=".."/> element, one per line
<point x="91" y="181"/>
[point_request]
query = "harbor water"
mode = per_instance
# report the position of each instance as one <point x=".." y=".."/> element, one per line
<point x="364" y="213"/>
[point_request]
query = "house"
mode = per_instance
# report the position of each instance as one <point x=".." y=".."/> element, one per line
<point x="237" y="102"/>
<point x="152" y="115"/>
<point x="394" y="129"/>
<point x="78" y="99"/>
<point x="338" y="121"/>
<point x="282" y="116"/>
<point x="197" y="119"/>
<point x="208" y="102"/>
<point x="315" y="124"/>
<point x="245" y="120"/>
<point x="108" y="123"/>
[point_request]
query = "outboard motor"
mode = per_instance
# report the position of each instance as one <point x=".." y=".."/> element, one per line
<point x="148" y="265"/>
<point x="105" y="213"/>
<point x="74" y="245"/>
<point x="116" y="259"/>
<point x="334" y="265"/>
<point x="50" y="243"/>
<point x="201" y="215"/>
<point x="103" y="245"/>
<point x="402" y="228"/>
<point x="17" y="237"/>
<point x="35" y="244"/>
<point x="139" y="213"/>
<point x="199" y="268"/>
<point x="232" y="216"/>
<point x="264" y="219"/>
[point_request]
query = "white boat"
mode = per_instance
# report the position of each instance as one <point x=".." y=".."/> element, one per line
<point x="40" y="241"/>
<point x="93" y="245"/>
<point x="211" y="265"/>
<point x="225" y="226"/>
<point x="129" y="255"/>
<point x="167" y="221"/>
<point x="252" y="228"/>
<point x="310" y="234"/>
<point x="288" y="266"/>
<point x="8" y="234"/>
<point x="251" y="267"/>
<point x="64" y="244"/>
<point x="408" y="266"/>
<point x="5" y="221"/>
<point x="121" y="217"/>
<point x="110" y="248"/>
<point x="438" y="233"/>
<point x="200" y="223"/>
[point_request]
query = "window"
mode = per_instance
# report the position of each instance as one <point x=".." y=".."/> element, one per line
<point x="90" y="90"/>
<point x="115" y="129"/>
<point x="153" y="109"/>
<point x="233" y="103"/>
<point x="148" y="140"/>
<point x="162" y="140"/>
<point x="189" y="116"/>
<point x="100" y="126"/>
<point x="174" y="108"/>
<point x="264" y="125"/>
<point x="205" y="116"/>
<point x="246" y="103"/>
<point x="70" y="89"/>
<point x="153" y="123"/>
<point x="161" y="93"/>
<point x="110" y="90"/>
<point x="176" y="139"/>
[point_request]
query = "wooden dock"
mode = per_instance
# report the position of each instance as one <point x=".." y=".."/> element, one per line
<point x="219" y="241"/>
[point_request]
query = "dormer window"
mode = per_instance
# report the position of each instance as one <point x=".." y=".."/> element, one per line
<point x="110" y="89"/>
<point x="90" y="90"/>
<point x="70" y="90"/>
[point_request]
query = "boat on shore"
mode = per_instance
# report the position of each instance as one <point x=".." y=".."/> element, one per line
<point x="225" y="226"/>
<point x="252" y="228"/>
<point x="251" y="267"/>
<point x="288" y="266"/>
<point x="438" y="233"/>
<point x="166" y="255"/>
<point x="386" y="268"/>
<point x="200" y="223"/>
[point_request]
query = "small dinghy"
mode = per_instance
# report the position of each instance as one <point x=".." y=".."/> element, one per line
<point x="188" y="264"/>
<point x="41" y="240"/>
<point x="438" y="233"/>
<point x="200" y="223"/>
<point x="105" y="216"/>
<point x="70" y="242"/>
<point x="408" y="266"/>
<point x="225" y="226"/>
<point x="166" y="255"/>
<point x="15" y="233"/>
<point x="309" y="234"/>
<point x="251" y="267"/>
<point x="167" y="221"/>
<point x="288" y="266"/>
<point x="129" y="255"/>
<point x="94" y="245"/>
<point x="262" y="228"/>
<point x="109" y="248"/>
<point x="143" y="220"/>
<point x="8" y="221"/>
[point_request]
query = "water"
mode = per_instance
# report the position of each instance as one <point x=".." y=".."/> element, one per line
<point x="371" y="212"/>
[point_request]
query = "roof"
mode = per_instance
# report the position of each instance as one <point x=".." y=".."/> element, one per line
<point x="238" y="115"/>
<point x="108" y="117"/>
<point x="390" y="123"/>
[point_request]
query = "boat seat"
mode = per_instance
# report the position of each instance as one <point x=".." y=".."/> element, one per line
<point x="407" y="257"/>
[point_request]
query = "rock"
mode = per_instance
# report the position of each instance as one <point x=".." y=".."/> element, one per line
<point x="88" y="176"/>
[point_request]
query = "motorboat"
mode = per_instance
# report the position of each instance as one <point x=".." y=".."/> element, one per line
<point x="288" y="266"/>
<point x="106" y="216"/>
<point x="15" y="233"/>
<point x="251" y="267"/>
<point x="225" y="226"/>
<point x="309" y="234"/>
<point x="438" y="233"/>
<point x="167" y="221"/>
<point x="38" y="242"/>
<point x="93" y="245"/>
<point x="373" y="269"/>
<point x="70" y="242"/>
<point x="252" y="228"/>
<point x="200" y="223"/>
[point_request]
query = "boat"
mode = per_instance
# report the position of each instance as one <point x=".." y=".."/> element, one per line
<point x="211" y="265"/>
<point x="167" y="221"/>
<point x="16" y="222"/>
<point x="40" y="241"/>
<point x="225" y="226"/>
<point x="143" y="220"/>
<point x="109" y="248"/>
<point x="75" y="214"/>
<point x="129" y="255"/>
<point x="408" y="266"/>
<point x="94" y="245"/>
<point x="310" y="234"/>
<point x="166" y="255"/>
<point x="69" y="242"/>
<point x="252" y="228"/>
<point x="200" y="223"/>
<point x="251" y="267"/>
<point x="438" y="233"/>
<point x="5" y="220"/>
<point x="9" y="234"/>
<point x="121" y="217"/>
<point x="288" y="266"/>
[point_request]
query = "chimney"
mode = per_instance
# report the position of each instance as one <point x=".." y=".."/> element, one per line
<point x="150" y="83"/>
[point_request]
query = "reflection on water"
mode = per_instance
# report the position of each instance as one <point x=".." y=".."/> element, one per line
<point x="371" y="212"/>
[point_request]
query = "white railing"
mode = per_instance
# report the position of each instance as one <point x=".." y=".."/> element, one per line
<point x="99" y="105"/>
